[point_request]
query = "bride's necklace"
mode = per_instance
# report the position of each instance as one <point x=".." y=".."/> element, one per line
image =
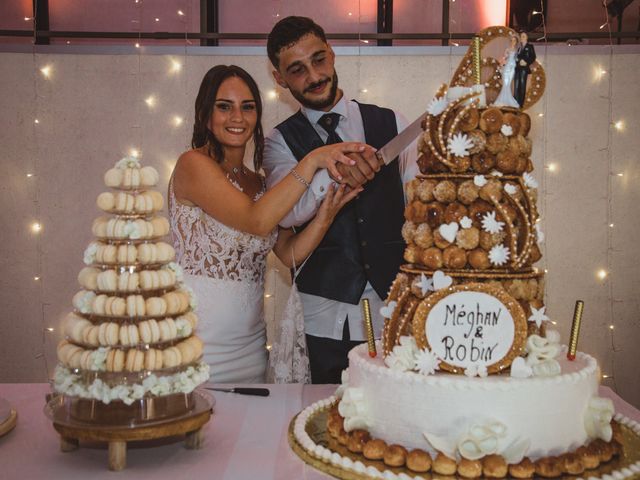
<point x="237" y="170"/>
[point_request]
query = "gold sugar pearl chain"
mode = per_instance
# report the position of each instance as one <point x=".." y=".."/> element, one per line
<point x="392" y="326"/>
<point x="405" y="319"/>
<point x="519" y="260"/>
<point x="394" y="292"/>
<point x="512" y="240"/>
<point x="457" y="120"/>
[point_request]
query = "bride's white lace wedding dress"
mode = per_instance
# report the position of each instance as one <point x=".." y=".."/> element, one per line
<point x="225" y="268"/>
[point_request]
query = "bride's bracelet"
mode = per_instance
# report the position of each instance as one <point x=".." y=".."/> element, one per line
<point x="299" y="177"/>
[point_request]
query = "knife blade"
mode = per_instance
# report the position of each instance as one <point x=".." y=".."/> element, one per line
<point x="398" y="143"/>
<point x="260" y="392"/>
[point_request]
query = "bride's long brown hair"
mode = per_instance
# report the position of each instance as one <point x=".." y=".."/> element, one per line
<point x="202" y="136"/>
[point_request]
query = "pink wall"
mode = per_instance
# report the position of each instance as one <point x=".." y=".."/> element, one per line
<point x="337" y="16"/>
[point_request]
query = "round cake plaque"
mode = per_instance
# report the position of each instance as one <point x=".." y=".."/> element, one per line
<point x="471" y="325"/>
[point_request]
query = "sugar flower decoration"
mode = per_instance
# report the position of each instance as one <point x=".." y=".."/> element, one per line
<point x="510" y="189"/>
<point x="460" y="144"/>
<point x="425" y="284"/>
<point x="490" y="224"/>
<point x="597" y="418"/>
<point x="476" y="371"/>
<point x="539" y="234"/>
<point x="499" y="255"/>
<point x="479" y="181"/>
<point x="496" y="173"/>
<point x="387" y="310"/>
<point x="538" y="315"/>
<point x="426" y="362"/>
<point x="465" y="222"/>
<point x="403" y="356"/>
<point x="506" y="130"/>
<point x="529" y="181"/>
<point x="437" y="106"/>
<point x="128" y="162"/>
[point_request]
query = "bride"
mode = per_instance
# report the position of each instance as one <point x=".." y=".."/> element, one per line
<point x="508" y="62"/>
<point x="224" y="222"/>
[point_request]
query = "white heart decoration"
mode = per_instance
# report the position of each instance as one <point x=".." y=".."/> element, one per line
<point x="440" y="280"/>
<point x="387" y="310"/>
<point x="520" y="369"/>
<point x="449" y="231"/>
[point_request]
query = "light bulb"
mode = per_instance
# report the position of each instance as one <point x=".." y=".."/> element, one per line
<point x="620" y="174"/>
<point x="177" y="121"/>
<point x="157" y="19"/>
<point x="619" y="125"/>
<point x="36" y="227"/>
<point x="611" y="225"/>
<point x="181" y="13"/>
<point x="36" y="278"/>
<point x="267" y="295"/>
<point x="29" y="175"/>
<point x="134" y="153"/>
<point x="137" y="45"/>
<point x="602" y="274"/>
<point x="175" y="66"/>
<point x="46" y="71"/>
<point x="36" y="121"/>
<point x="610" y="327"/>
<point x="150" y="101"/>
<point x="49" y="329"/>
<point x="272" y="94"/>
<point x="552" y="167"/>
<point x="364" y="90"/>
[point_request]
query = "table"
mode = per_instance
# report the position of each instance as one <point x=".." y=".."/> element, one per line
<point x="245" y="439"/>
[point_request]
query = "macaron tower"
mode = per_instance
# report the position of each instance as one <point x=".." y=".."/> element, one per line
<point x="129" y="351"/>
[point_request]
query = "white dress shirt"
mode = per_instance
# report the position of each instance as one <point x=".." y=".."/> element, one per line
<point x="324" y="317"/>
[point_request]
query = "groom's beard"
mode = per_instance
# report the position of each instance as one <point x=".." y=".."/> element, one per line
<point x="322" y="103"/>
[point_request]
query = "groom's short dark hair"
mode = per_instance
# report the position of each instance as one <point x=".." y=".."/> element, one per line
<point x="287" y="32"/>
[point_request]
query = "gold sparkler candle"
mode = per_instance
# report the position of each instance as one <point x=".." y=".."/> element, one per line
<point x="575" y="330"/>
<point x="476" y="60"/>
<point x="366" y="315"/>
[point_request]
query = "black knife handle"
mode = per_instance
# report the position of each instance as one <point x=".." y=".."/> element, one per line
<point x="260" y="392"/>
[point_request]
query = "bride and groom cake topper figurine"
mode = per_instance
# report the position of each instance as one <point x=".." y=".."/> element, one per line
<point x="516" y="67"/>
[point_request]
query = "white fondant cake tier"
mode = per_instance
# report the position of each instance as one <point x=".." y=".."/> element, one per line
<point x="546" y="413"/>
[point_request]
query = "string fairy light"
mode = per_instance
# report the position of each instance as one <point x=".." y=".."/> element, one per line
<point x="37" y="227"/>
<point x="619" y="125"/>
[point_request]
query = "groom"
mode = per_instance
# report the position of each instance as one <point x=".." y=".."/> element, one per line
<point x="360" y="254"/>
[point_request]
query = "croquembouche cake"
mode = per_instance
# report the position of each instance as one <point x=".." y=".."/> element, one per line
<point x="470" y="377"/>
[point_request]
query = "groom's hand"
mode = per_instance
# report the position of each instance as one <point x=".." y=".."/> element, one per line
<point x="365" y="168"/>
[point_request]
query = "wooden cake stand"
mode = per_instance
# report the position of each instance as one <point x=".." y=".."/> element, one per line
<point x="8" y="417"/>
<point x="72" y="432"/>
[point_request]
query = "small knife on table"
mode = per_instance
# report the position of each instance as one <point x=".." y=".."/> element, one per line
<point x="398" y="143"/>
<point x="259" y="392"/>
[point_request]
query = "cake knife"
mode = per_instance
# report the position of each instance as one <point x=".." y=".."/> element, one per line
<point x="398" y="143"/>
<point x="260" y="392"/>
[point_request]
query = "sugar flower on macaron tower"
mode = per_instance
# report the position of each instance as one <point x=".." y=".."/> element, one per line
<point x="130" y="336"/>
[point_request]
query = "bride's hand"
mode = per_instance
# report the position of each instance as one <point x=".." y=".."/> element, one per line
<point x="336" y="198"/>
<point x="329" y="155"/>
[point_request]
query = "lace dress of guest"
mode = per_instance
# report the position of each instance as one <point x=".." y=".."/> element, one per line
<point x="225" y="268"/>
<point x="505" y="97"/>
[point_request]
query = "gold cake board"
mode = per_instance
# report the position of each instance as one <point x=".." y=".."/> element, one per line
<point x="190" y="424"/>
<point x="316" y="429"/>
